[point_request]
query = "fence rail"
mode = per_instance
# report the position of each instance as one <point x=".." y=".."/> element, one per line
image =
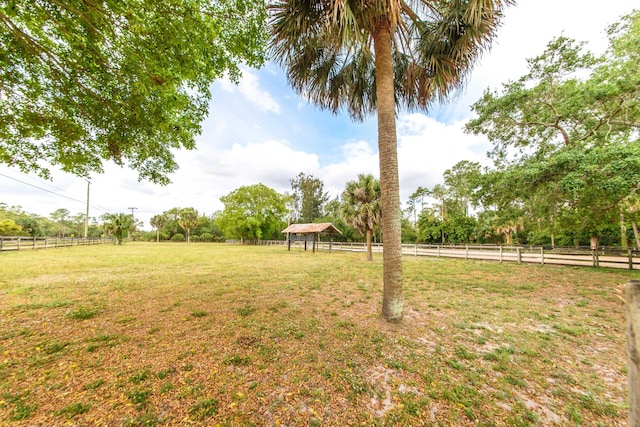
<point x="611" y="257"/>
<point x="20" y="243"/>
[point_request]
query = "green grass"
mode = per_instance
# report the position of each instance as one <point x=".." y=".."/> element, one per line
<point x="240" y="335"/>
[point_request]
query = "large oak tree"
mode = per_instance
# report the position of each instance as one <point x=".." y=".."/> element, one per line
<point x="88" y="81"/>
<point x="565" y="135"/>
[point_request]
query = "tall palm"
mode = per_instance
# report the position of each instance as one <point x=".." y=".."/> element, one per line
<point x="379" y="55"/>
<point x="188" y="219"/>
<point x="361" y="207"/>
<point x="157" y="222"/>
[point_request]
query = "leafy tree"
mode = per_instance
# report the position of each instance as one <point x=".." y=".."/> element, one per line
<point x="565" y="135"/>
<point x="31" y="224"/>
<point x="462" y="180"/>
<point x="409" y="233"/>
<point x="253" y="212"/>
<point x="118" y="225"/>
<point x="188" y="219"/>
<point x="361" y="207"/>
<point x="367" y="56"/>
<point x="418" y="196"/>
<point x="307" y="198"/>
<point x="429" y="227"/>
<point x="157" y="221"/>
<point x="89" y="81"/>
<point x="61" y="217"/>
<point x="9" y="228"/>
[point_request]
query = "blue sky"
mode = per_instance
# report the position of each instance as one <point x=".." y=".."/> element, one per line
<point x="261" y="131"/>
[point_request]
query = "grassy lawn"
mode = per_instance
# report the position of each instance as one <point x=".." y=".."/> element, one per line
<point x="206" y="334"/>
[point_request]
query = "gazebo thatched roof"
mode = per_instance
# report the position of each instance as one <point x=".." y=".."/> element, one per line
<point x="323" y="227"/>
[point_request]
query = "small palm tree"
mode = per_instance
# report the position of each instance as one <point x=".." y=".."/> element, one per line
<point x="157" y="222"/>
<point x="118" y="224"/>
<point x="370" y="56"/>
<point x="188" y="219"/>
<point x="361" y="207"/>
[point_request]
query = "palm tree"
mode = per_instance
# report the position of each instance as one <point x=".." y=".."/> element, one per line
<point x="157" y="221"/>
<point x="118" y="224"/>
<point x="375" y="56"/>
<point x="361" y="207"/>
<point x="188" y="219"/>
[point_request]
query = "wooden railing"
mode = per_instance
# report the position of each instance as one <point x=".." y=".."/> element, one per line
<point x="600" y="257"/>
<point x="19" y="243"/>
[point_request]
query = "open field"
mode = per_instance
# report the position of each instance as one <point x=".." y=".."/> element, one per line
<point x="206" y="334"/>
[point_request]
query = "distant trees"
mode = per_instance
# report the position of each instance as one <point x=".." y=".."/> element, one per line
<point x="307" y="198"/>
<point x="188" y="222"/>
<point x="253" y="212"/>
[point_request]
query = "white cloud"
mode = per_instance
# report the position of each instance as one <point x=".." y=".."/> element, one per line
<point x="249" y="87"/>
<point x="426" y="148"/>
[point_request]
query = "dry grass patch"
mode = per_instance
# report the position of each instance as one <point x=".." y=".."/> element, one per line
<point x="206" y="334"/>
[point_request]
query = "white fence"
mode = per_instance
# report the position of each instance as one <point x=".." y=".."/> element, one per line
<point x="601" y="257"/>
<point x="19" y="243"/>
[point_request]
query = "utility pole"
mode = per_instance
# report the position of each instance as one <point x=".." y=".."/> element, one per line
<point x="86" y="217"/>
<point x="134" y="221"/>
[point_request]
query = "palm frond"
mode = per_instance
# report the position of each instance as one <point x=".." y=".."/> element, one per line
<point x="326" y="47"/>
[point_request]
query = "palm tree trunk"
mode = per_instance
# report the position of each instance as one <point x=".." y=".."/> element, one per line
<point x="157" y="235"/>
<point x="392" y="300"/>
<point x="369" y="251"/>
<point x="635" y="233"/>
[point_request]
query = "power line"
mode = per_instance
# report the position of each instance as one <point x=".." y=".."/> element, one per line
<point x="52" y="192"/>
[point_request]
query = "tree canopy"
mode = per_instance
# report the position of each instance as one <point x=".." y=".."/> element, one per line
<point x="90" y="81"/>
<point x="253" y="212"/>
<point x="565" y="135"/>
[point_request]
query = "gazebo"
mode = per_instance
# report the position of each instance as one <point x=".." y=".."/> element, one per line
<point x="310" y="232"/>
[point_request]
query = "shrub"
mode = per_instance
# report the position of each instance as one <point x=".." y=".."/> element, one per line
<point x="195" y="238"/>
<point x="206" y="237"/>
<point x="178" y="237"/>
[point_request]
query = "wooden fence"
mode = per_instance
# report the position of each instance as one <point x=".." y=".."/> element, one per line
<point x="601" y="257"/>
<point x="20" y="243"/>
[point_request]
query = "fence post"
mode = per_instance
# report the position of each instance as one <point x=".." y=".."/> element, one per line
<point x="18" y="243"/>
<point x="438" y="251"/>
<point x="632" y="298"/>
<point x="415" y="250"/>
<point x="1" y="243"/>
<point x="596" y="260"/>
<point x="500" y="254"/>
<point x="519" y="253"/>
<point x="630" y="254"/>
<point x="466" y="252"/>
<point x="542" y="255"/>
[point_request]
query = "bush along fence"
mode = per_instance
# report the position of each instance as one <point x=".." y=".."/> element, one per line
<point x="612" y="257"/>
<point x="19" y="243"/>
